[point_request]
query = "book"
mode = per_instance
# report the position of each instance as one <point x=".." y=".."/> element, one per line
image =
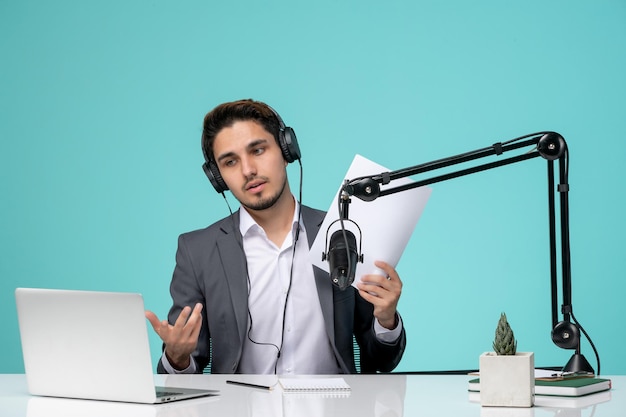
<point x="314" y="385"/>
<point x="567" y="387"/>
<point x="553" y="401"/>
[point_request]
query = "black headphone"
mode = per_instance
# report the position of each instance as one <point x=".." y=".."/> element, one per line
<point x="286" y="140"/>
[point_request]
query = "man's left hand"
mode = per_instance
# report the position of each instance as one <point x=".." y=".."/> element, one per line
<point x="383" y="292"/>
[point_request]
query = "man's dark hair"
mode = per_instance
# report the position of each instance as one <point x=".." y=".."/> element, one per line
<point x="226" y="114"/>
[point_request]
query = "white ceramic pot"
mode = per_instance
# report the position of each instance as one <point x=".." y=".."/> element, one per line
<point x="507" y="380"/>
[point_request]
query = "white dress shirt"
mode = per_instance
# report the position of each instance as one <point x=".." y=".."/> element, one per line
<point x="304" y="345"/>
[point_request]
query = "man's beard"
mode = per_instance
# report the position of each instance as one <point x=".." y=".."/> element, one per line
<point x="265" y="203"/>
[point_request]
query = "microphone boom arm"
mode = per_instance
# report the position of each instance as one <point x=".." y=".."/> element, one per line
<point x="549" y="145"/>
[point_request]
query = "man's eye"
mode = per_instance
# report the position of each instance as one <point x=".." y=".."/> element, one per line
<point x="258" y="151"/>
<point x="229" y="162"/>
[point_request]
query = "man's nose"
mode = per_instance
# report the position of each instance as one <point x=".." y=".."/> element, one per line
<point x="248" y="167"/>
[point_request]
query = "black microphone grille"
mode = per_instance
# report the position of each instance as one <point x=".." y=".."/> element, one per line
<point x="337" y="240"/>
<point x="342" y="259"/>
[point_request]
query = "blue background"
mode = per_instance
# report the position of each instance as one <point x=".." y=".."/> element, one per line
<point x="101" y="107"/>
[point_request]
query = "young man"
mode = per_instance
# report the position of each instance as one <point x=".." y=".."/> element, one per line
<point x="246" y="297"/>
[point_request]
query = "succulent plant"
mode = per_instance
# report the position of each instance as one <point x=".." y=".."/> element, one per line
<point x="504" y="342"/>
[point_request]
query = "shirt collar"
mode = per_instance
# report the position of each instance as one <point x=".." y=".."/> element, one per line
<point x="246" y="222"/>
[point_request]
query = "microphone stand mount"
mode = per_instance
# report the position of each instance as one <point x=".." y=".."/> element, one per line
<point x="549" y="145"/>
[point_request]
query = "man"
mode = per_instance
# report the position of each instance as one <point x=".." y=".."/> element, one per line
<point x="246" y="297"/>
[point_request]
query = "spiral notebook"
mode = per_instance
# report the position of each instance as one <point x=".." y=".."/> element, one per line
<point x="314" y="385"/>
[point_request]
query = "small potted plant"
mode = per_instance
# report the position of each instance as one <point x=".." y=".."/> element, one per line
<point x="507" y="377"/>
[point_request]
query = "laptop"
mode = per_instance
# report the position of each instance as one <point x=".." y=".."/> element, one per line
<point x="90" y="345"/>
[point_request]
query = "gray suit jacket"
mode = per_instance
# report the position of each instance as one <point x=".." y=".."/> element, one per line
<point x="211" y="269"/>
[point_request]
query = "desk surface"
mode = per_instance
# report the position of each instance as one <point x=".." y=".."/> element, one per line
<point x="371" y="395"/>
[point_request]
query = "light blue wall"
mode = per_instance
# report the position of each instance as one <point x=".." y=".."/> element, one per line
<point x="101" y="105"/>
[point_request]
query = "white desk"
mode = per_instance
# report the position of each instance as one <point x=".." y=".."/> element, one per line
<point x="371" y="395"/>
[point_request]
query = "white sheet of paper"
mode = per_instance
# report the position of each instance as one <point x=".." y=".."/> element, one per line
<point x="386" y="223"/>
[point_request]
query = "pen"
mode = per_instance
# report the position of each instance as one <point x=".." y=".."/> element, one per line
<point x="246" y="384"/>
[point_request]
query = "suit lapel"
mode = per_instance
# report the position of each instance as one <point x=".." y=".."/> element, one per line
<point x="235" y="268"/>
<point x="325" y="290"/>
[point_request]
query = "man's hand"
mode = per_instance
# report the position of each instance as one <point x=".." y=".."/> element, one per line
<point x="383" y="292"/>
<point x="180" y="339"/>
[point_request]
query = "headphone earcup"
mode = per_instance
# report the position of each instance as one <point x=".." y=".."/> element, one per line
<point x="288" y="144"/>
<point x="566" y="335"/>
<point x="213" y="174"/>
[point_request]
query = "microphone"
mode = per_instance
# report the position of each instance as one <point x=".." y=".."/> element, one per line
<point x="342" y="254"/>
<point x="342" y="259"/>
